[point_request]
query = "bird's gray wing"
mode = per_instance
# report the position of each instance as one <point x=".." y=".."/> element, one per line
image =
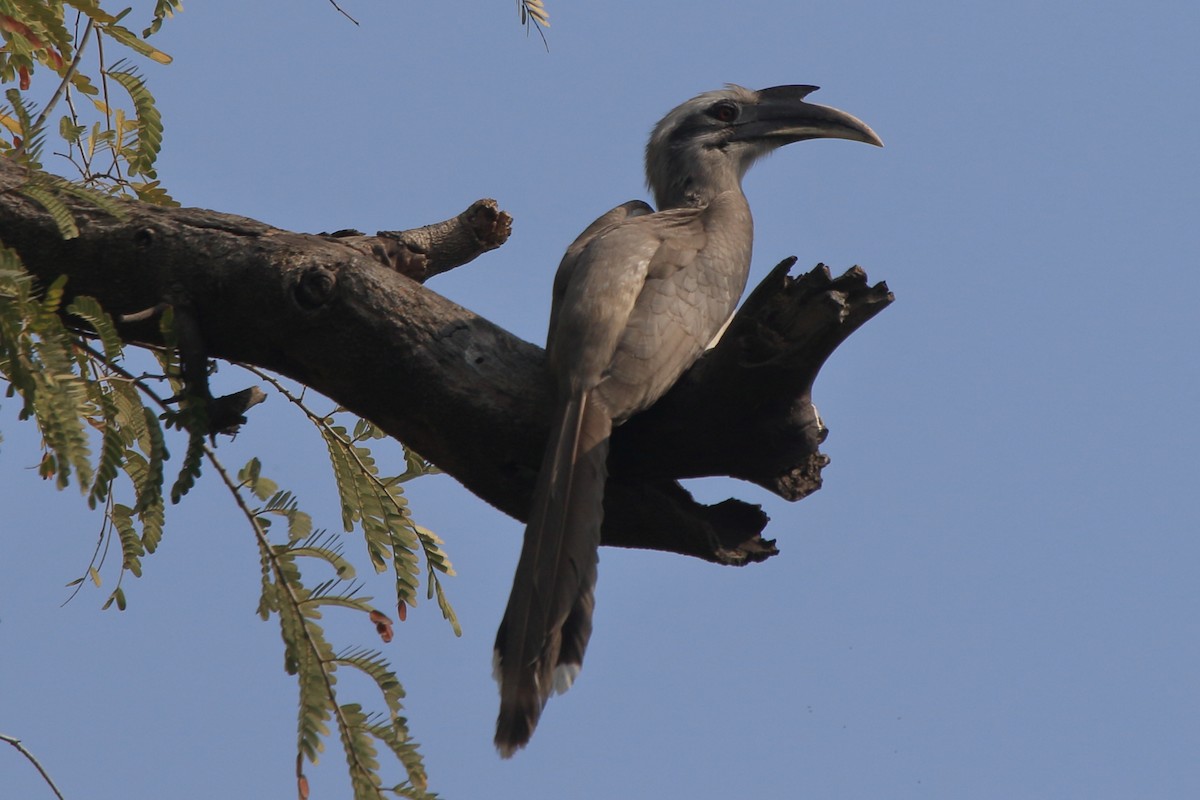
<point x="545" y="630"/>
<point x="566" y="267"/>
<point x="690" y="289"/>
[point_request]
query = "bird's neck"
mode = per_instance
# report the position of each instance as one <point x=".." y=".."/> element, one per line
<point x="696" y="188"/>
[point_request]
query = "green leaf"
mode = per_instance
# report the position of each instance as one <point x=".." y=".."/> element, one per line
<point x="149" y="122"/>
<point x="58" y="211"/>
<point x="24" y="113"/>
<point x="118" y="596"/>
<point x="52" y="299"/>
<point x="91" y="9"/>
<point x="189" y="472"/>
<point x="47" y="21"/>
<point x="152" y="192"/>
<point x="112" y="458"/>
<point x="132" y="548"/>
<point x="341" y="566"/>
<point x="444" y="605"/>
<point x="83" y="84"/>
<point x="109" y="205"/>
<point x="130" y="40"/>
<point x="162" y="10"/>
<point x="251" y="476"/>
<point x="70" y="131"/>
<point x="88" y="309"/>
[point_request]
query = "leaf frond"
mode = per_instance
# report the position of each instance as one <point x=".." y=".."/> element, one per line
<point x="163" y="9"/>
<point x="376" y="504"/>
<point x="58" y="211"/>
<point x="149" y="127"/>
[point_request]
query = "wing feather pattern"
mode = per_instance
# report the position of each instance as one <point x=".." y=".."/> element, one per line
<point x="635" y="302"/>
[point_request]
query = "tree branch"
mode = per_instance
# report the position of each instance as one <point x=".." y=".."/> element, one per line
<point x="466" y="394"/>
<point x="15" y="742"/>
<point x="423" y="252"/>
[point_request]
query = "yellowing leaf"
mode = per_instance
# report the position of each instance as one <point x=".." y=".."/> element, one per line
<point x="131" y="40"/>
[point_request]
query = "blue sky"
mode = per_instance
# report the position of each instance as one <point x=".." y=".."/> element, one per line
<point x="993" y="596"/>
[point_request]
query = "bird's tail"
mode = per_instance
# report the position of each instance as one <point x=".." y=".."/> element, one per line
<point x="541" y="641"/>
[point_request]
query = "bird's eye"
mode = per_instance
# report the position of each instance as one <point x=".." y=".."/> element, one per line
<point x="724" y="112"/>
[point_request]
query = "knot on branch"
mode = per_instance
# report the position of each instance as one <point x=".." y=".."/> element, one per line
<point x="144" y="237"/>
<point x="314" y="288"/>
<point x="403" y="257"/>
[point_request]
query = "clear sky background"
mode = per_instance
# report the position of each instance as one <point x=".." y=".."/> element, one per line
<point x="994" y="595"/>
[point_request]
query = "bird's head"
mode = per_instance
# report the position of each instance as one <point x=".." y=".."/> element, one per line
<point x="706" y="145"/>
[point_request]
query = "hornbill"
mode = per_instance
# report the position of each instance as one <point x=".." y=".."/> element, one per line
<point x="636" y="300"/>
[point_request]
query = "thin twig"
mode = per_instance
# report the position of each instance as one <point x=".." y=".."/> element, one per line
<point x="342" y="12"/>
<point x="85" y="170"/>
<point x="15" y="742"/>
<point x="153" y="312"/>
<point x="102" y="542"/>
<point x="127" y="375"/>
<point x="116" y="165"/>
<point x="530" y="20"/>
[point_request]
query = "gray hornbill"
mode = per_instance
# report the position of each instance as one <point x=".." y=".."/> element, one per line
<point x="637" y="298"/>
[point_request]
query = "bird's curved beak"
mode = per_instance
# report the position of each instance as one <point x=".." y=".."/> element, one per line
<point x="781" y="117"/>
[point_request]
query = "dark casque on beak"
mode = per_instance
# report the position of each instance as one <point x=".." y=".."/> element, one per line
<point x="783" y="117"/>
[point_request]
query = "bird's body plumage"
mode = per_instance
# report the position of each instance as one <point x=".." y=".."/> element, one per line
<point x="637" y="298"/>
<point x="643" y="298"/>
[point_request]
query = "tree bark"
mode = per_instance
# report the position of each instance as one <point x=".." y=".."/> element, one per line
<point x="341" y="314"/>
